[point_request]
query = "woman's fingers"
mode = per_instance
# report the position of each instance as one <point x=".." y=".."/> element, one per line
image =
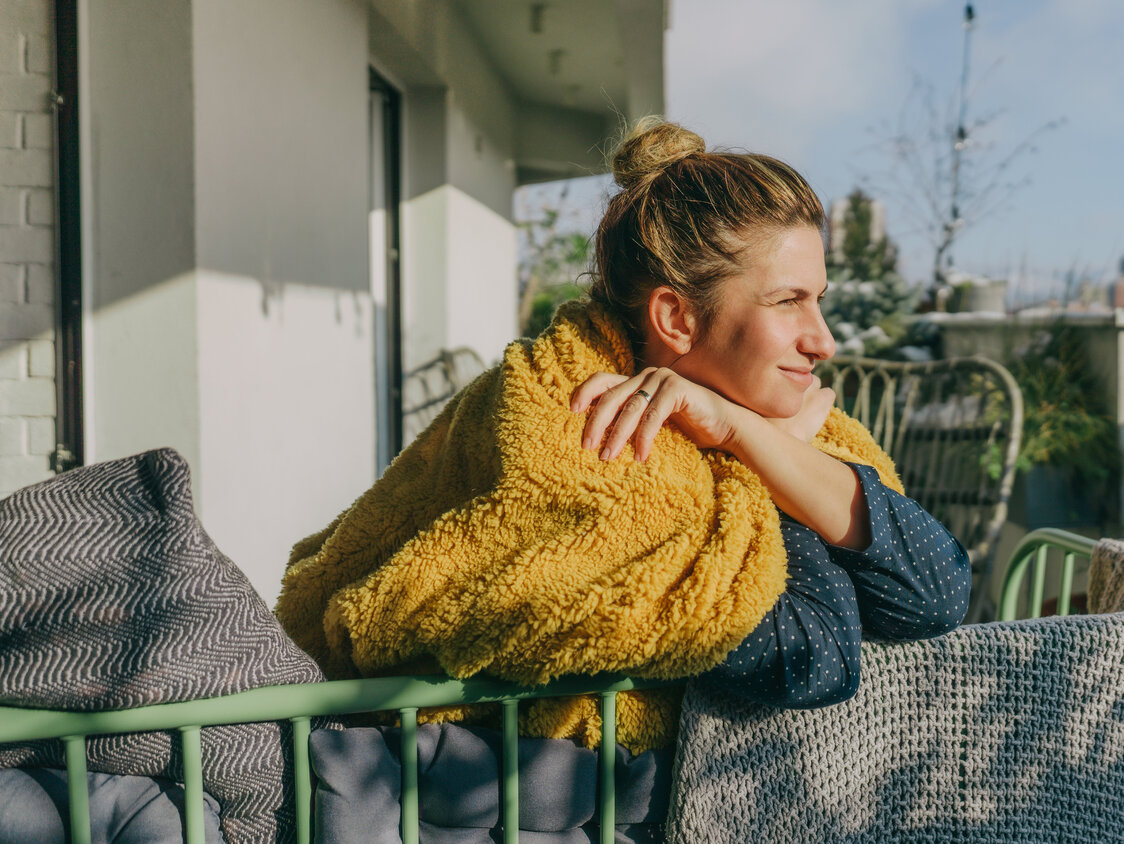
<point x="604" y="422"/>
<point x="657" y="412"/>
<point x="591" y="389"/>
<point x="634" y="407"/>
<point x="618" y="403"/>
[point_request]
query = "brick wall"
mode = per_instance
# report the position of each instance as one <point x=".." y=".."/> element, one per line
<point x="27" y="243"/>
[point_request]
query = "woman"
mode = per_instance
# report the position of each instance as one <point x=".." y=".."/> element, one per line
<point x="610" y="498"/>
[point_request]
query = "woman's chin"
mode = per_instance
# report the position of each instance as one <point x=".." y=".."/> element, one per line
<point x="776" y="409"/>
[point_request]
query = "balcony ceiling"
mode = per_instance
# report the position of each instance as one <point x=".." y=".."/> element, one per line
<point x="566" y="53"/>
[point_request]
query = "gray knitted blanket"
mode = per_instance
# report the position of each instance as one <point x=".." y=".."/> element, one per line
<point x="1106" y="576"/>
<point x="1009" y="732"/>
<point x="112" y="596"/>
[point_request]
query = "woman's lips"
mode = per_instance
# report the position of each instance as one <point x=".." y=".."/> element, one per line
<point x="803" y="377"/>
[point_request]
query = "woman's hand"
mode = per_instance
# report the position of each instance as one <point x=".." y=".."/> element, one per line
<point x="813" y="412"/>
<point x="622" y="413"/>
<point x="815" y="489"/>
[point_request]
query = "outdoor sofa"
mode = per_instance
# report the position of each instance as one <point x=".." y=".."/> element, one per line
<point x="116" y="612"/>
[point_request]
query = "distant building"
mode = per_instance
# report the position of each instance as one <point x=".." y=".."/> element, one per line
<point x="1118" y="287"/>
<point x="1093" y="297"/>
<point x="975" y="294"/>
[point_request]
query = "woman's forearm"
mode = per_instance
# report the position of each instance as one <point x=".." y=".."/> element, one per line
<point x="815" y="489"/>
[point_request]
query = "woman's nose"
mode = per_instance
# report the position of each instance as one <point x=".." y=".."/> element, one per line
<point x="817" y="341"/>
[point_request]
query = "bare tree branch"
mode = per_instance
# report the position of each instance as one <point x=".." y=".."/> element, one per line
<point x="945" y="177"/>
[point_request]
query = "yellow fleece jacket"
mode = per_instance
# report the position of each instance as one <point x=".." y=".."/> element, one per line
<point x="494" y="543"/>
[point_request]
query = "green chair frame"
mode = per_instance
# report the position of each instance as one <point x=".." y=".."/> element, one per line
<point x="1032" y="557"/>
<point x="299" y="704"/>
<point x="953" y="428"/>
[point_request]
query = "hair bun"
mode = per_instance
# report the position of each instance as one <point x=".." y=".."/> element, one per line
<point x="651" y="147"/>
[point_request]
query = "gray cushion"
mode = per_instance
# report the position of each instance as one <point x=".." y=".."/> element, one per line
<point x="359" y="784"/>
<point x="123" y="809"/>
<point x="113" y="596"/>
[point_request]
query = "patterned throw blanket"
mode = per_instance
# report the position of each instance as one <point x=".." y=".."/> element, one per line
<point x="1005" y="732"/>
<point x="1106" y="576"/>
<point x="111" y="597"/>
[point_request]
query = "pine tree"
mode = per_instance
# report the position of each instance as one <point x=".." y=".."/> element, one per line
<point x="868" y="300"/>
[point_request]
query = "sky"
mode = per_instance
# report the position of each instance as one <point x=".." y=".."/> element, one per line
<point x="825" y="85"/>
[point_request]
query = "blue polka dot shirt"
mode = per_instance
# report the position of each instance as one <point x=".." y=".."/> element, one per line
<point x="912" y="582"/>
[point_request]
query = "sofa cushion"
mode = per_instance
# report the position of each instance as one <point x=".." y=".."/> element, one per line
<point x="123" y="809"/>
<point x="359" y="785"/>
<point x="112" y="596"/>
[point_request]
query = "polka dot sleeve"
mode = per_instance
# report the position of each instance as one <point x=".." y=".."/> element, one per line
<point x="912" y="582"/>
<point x="805" y="652"/>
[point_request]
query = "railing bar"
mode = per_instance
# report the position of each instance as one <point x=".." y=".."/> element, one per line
<point x="1038" y="583"/>
<point x="905" y="445"/>
<point x="862" y="397"/>
<point x="1066" y="585"/>
<point x="608" y="760"/>
<point x="77" y="789"/>
<point x="409" y="801"/>
<point x="302" y="778"/>
<point x="975" y="527"/>
<point x="276" y="703"/>
<point x="191" y="747"/>
<point x="511" y="772"/>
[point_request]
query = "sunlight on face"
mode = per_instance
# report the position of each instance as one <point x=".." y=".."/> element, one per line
<point x="768" y="331"/>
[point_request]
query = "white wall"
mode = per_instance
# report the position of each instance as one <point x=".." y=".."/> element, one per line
<point x="281" y="140"/>
<point x="286" y="415"/>
<point x="226" y="229"/>
<point x="141" y="384"/>
<point x="286" y="355"/>
<point x="481" y="287"/>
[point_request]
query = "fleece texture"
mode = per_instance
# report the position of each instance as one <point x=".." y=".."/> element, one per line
<point x="496" y="544"/>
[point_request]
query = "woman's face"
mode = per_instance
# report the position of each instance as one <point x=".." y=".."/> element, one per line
<point x="767" y="332"/>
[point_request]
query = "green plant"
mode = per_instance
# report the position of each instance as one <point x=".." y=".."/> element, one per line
<point x="546" y="302"/>
<point x="552" y="259"/>
<point x="1066" y="421"/>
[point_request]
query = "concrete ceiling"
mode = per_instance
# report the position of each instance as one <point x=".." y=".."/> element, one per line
<point x="572" y="53"/>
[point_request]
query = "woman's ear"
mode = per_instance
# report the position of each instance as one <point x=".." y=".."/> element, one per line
<point x="671" y="321"/>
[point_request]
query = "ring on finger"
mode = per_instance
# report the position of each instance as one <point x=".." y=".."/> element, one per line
<point x="643" y="394"/>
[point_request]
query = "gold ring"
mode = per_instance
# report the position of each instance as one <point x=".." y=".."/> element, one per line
<point x="643" y="395"/>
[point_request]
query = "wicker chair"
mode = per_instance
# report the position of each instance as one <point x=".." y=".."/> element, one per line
<point x="427" y="388"/>
<point x="953" y="428"/>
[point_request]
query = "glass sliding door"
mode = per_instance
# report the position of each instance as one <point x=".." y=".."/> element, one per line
<point x="385" y="187"/>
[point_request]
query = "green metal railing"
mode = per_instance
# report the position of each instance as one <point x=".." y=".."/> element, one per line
<point x="298" y="704"/>
<point x="1031" y="556"/>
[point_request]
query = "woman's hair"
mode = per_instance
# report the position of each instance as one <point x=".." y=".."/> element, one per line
<point x="684" y="217"/>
